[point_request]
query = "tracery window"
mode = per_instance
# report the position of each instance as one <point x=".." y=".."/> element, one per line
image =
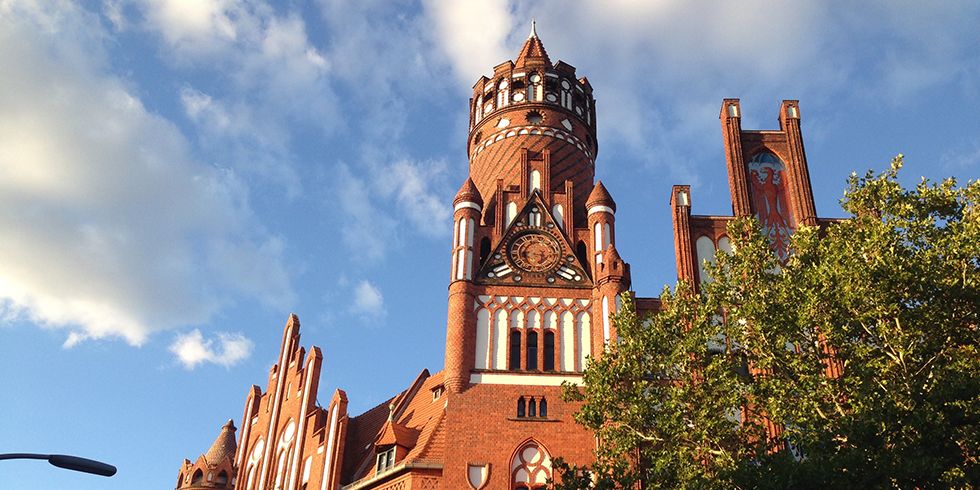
<point x="530" y="468"/>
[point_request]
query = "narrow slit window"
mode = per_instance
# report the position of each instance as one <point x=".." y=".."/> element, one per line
<point x="549" y="351"/>
<point x="521" y="407"/>
<point x="532" y="351"/>
<point x="543" y="408"/>
<point x="515" y="350"/>
<point x="531" y="408"/>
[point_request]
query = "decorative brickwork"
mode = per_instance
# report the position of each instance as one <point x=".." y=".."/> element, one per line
<point x="535" y="275"/>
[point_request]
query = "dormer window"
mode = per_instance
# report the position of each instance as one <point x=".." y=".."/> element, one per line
<point x="437" y="392"/>
<point x="386" y="460"/>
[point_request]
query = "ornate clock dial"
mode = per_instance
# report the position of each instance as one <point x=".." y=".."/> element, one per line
<point x="535" y="252"/>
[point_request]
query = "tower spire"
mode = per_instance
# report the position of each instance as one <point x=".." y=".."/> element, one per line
<point x="533" y="51"/>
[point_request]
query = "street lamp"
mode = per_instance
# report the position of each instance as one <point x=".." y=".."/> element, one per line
<point x="68" y="462"/>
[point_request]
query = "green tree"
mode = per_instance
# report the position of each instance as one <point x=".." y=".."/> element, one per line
<point x="860" y="351"/>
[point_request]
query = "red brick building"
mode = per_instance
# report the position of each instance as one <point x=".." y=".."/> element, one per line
<point x="535" y="276"/>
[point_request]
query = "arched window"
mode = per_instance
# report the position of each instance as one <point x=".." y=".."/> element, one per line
<point x="180" y="480"/>
<point x="222" y="478"/>
<point x="532" y="350"/>
<point x="197" y="478"/>
<point x="532" y="408"/>
<point x="521" y="407"/>
<point x="530" y="468"/>
<point x="549" y="351"/>
<point x="515" y="350"/>
<point x="543" y="408"/>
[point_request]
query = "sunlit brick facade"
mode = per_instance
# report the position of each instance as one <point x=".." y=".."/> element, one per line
<point x="535" y="275"/>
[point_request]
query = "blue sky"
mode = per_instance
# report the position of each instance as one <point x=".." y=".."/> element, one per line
<point x="176" y="177"/>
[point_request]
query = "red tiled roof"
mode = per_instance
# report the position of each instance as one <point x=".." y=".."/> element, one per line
<point x="417" y="422"/>
<point x="224" y="446"/>
<point x="600" y="196"/>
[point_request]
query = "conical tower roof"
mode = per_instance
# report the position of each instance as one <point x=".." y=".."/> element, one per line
<point x="533" y="51"/>
<point x="600" y="197"/>
<point x="224" y="446"/>
<point x="468" y="193"/>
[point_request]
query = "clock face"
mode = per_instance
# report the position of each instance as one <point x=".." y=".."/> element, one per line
<point x="535" y="252"/>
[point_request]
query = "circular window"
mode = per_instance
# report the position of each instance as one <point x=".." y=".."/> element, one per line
<point x="503" y="84"/>
<point x="534" y="78"/>
<point x="534" y="117"/>
<point x="519" y="97"/>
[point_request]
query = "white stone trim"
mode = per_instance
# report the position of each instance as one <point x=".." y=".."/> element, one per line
<point x="601" y="209"/>
<point x="523" y="379"/>
<point x="467" y="204"/>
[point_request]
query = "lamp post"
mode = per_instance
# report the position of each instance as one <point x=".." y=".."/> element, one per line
<point x="67" y="462"/>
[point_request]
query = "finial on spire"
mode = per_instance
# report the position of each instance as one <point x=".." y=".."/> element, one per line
<point x="534" y="31"/>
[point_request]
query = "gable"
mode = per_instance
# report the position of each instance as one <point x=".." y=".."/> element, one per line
<point x="534" y="251"/>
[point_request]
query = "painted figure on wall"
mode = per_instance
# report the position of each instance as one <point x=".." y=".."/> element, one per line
<point x="768" y="191"/>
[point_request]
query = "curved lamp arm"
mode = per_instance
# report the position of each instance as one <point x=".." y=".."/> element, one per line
<point x="68" y="462"/>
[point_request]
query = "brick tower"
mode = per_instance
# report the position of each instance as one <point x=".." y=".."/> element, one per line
<point x="535" y="273"/>
<point x="534" y="279"/>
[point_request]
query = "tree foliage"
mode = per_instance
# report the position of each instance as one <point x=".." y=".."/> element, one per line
<point x="860" y="352"/>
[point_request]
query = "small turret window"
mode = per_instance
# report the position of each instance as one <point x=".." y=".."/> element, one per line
<point x="197" y="478"/>
<point x="222" y="478"/>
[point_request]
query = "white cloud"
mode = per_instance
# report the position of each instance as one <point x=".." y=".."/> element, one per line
<point x="410" y="184"/>
<point x="365" y="229"/>
<point x="472" y="33"/>
<point x="192" y="349"/>
<point x="368" y="301"/>
<point x="108" y="226"/>
<point x="257" y="73"/>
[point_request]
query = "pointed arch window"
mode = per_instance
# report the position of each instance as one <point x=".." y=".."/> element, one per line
<point x="532" y="350"/>
<point x="515" y="350"/>
<point x="197" y="478"/>
<point x="530" y="467"/>
<point x="549" y="351"/>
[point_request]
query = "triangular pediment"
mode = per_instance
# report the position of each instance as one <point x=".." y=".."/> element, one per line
<point x="534" y="251"/>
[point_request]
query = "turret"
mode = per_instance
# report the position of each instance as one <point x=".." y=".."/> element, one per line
<point x="602" y="220"/>
<point x="535" y="106"/>
<point x="611" y="274"/>
<point x="467" y="207"/>
<point x="214" y="469"/>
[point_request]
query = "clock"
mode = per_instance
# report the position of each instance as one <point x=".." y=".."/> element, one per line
<point x="534" y="252"/>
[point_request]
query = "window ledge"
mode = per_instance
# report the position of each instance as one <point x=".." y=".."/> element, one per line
<point x="533" y="419"/>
